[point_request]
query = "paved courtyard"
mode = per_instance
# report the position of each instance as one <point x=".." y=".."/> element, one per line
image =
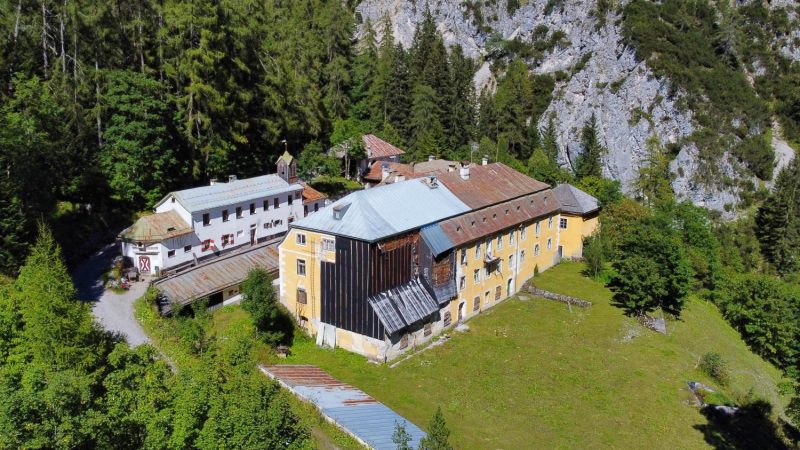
<point x="113" y="311"/>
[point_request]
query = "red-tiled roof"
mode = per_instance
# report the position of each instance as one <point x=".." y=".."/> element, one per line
<point x="310" y="194"/>
<point x="378" y="148"/>
<point x="490" y="184"/>
<point x="486" y="222"/>
<point x="376" y="170"/>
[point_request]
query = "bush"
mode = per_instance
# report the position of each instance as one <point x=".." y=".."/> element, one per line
<point x="713" y="365"/>
<point x="272" y="321"/>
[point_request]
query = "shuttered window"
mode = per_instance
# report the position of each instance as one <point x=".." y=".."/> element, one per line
<point x="476" y="304"/>
<point x="301" y="296"/>
<point x="427" y="329"/>
<point x="447" y="319"/>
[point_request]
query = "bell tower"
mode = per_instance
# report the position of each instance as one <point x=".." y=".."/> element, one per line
<point x="287" y="167"/>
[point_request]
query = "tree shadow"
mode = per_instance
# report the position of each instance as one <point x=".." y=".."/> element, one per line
<point x="751" y="427"/>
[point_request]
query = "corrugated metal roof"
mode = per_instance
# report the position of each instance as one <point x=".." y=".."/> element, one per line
<point x="490" y="184"/>
<point x="360" y="415"/>
<point x="157" y="227"/>
<point x="378" y="148"/>
<point x="238" y="191"/>
<point x="436" y="238"/>
<point x="488" y="221"/>
<point x="574" y="200"/>
<point x="404" y="305"/>
<point x="216" y="275"/>
<point x="384" y="211"/>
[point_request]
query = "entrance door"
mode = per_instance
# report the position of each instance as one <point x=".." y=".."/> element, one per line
<point x="252" y="236"/>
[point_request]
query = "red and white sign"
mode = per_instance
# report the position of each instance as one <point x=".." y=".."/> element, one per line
<point x="144" y="264"/>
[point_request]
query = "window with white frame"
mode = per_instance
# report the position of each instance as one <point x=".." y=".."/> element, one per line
<point x="521" y="257"/>
<point x="538" y="227"/>
<point x="476" y="276"/>
<point x="328" y="245"/>
<point x="301" y="267"/>
<point x="499" y="243"/>
<point x="549" y="243"/>
<point x="562" y="223"/>
<point x="511" y="262"/>
<point x="462" y="283"/>
<point x="478" y="250"/>
<point x="301" y="239"/>
<point x="511" y="237"/>
<point x="488" y="271"/>
<point x="522" y="233"/>
<point x="550" y="223"/>
<point x="536" y="250"/>
<point x="463" y="256"/>
<point x="488" y="247"/>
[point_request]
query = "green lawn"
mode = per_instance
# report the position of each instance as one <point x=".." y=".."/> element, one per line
<point x="532" y="374"/>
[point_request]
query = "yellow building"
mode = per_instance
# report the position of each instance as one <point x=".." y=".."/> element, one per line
<point x="579" y="218"/>
<point x="384" y="270"/>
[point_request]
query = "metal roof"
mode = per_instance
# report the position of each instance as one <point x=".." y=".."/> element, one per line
<point x="157" y="227"/>
<point x="237" y="191"/>
<point x="404" y="305"/>
<point x="574" y="200"/>
<point x="436" y="238"/>
<point x="489" y="221"/>
<point x="369" y="421"/>
<point x="490" y="184"/>
<point x="380" y="212"/>
<point x="378" y="148"/>
<point x="216" y="275"/>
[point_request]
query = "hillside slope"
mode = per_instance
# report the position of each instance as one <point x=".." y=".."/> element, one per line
<point x="600" y="73"/>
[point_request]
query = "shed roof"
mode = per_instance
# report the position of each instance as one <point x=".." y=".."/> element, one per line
<point x="436" y="238"/>
<point x="238" y="191"/>
<point x="375" y="172"/>
<point x="218" y="274"/>
<point x="378" y="148"/>
<point x="376" y="213"/>
<point x="404" y="305"/>
<point x="490" y="184"/>
<point x="574" y="200"/>
<point x="489" y="221"/>
<point x="157" y="227"/>
<point x="310" y="194"/>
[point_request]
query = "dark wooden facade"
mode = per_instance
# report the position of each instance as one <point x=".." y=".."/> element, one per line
<point x="363" y="269"/>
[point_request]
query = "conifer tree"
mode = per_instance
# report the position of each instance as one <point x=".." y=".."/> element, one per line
<point x="427" y="134"/>
<point x="400" y="437"/>
<point x="461" y="107"/>
<point x="549" y="140"/>
<point x="589" y="163"/>
<point x="398" y="101"/>
<point x="778" y="224"/>
<point x="438" y="434"/>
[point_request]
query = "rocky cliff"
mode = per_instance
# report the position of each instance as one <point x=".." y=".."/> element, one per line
<point x="604" y="78"/>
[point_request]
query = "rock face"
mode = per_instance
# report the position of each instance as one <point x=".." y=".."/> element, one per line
<point x="630" y="103"/>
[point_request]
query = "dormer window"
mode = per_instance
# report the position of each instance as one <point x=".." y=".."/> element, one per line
<point x="172" y="199"/>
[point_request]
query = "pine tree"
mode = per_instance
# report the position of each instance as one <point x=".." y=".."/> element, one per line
<point x="589" y="163"/>
<point x="778" y="224"/>
<point x="366" y="82"/>
<point x="398" y="101"/>
<point x="461" y="107"/>
<point x="400" y="437"/>
<point x="549" y="140"/>
<point x="512" y="102"/>
<point x="427" y="133"/>
<point x="654" y="177"/>
<point x="438" y="434"/>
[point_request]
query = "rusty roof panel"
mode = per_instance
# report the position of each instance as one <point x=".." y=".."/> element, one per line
<point x="363" y="417"/>
<point x="378" y="148"/>
<point x="157" y="227"/>
<point x="310" y="194"/>
<point x="489" y="221"/>
<point x="217" y="274"/>
<point x="490" y="184"/>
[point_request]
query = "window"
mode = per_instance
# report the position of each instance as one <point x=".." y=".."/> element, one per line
<point x="206" y="245"/>
<point x="462" y="283"/>
<point x="476" y="304"/>
<point x="276" y="203"/>
<point x="499" y="243"/>
<point x="227" y="239"/>
<point x="224" y="215"/>
<point x="206" y="219"/>
<point x="478" y="251"/>
<point x="187" y="249"/>
<point x="498" y="291"/>
<point x="521" y="257"/>
<point x="522" y="233"/>
<point x="305" y="210"/>
<point x="301" y="239"/>
<point x="536" y="250"/>
<point x="562" y="223"/>
<point x="550" y="223"/>
<point x="511" y="237"/>
<point x="290" y="199"/>
<point x="427" y="330"/>
<point x="328" y="245"/>
<point x="488" y="272"/>
<point x="316" y="207"/>
<point x="549" y="244"/>
<point x="476" y="276"/>
<point x="172" y="199"/>
<point x="252" y="208"/>
<point x="488" y="247"/>
<point x="170" y="253"/>
<point x="301" y="267"/>
<point x="404" y="341"/>
<point x="463" y="256"/>
<point x="266" y="205"/>
<point x="301" y="296"/>
<point x="447" y="319"/>
<point x="511" y="262"/>
<point x="238" y="212"/>
<point x="538" y="227"/>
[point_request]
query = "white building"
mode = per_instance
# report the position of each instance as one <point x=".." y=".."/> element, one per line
<point x="204" y="222"/>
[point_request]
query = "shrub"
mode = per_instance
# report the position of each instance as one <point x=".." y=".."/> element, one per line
<point x="713" y="365"/>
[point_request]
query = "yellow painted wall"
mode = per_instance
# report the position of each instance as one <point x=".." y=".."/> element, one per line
<point x="572" y="236"/>
<point x="289" y="252"/>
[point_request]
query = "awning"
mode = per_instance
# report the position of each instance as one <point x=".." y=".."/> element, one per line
<point x="404" y="305"/>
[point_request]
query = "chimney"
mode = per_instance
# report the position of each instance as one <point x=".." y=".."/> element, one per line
<point x="231" y="178"/>
<point x="431" y="157"/>
<point x="399" y="178"/>
<point x="464" y="172"/>
<point x="451" y="167"/>
<point x="213" y="181"/>
<point x="431" y="181"/>
<point x="485" y="160"/>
